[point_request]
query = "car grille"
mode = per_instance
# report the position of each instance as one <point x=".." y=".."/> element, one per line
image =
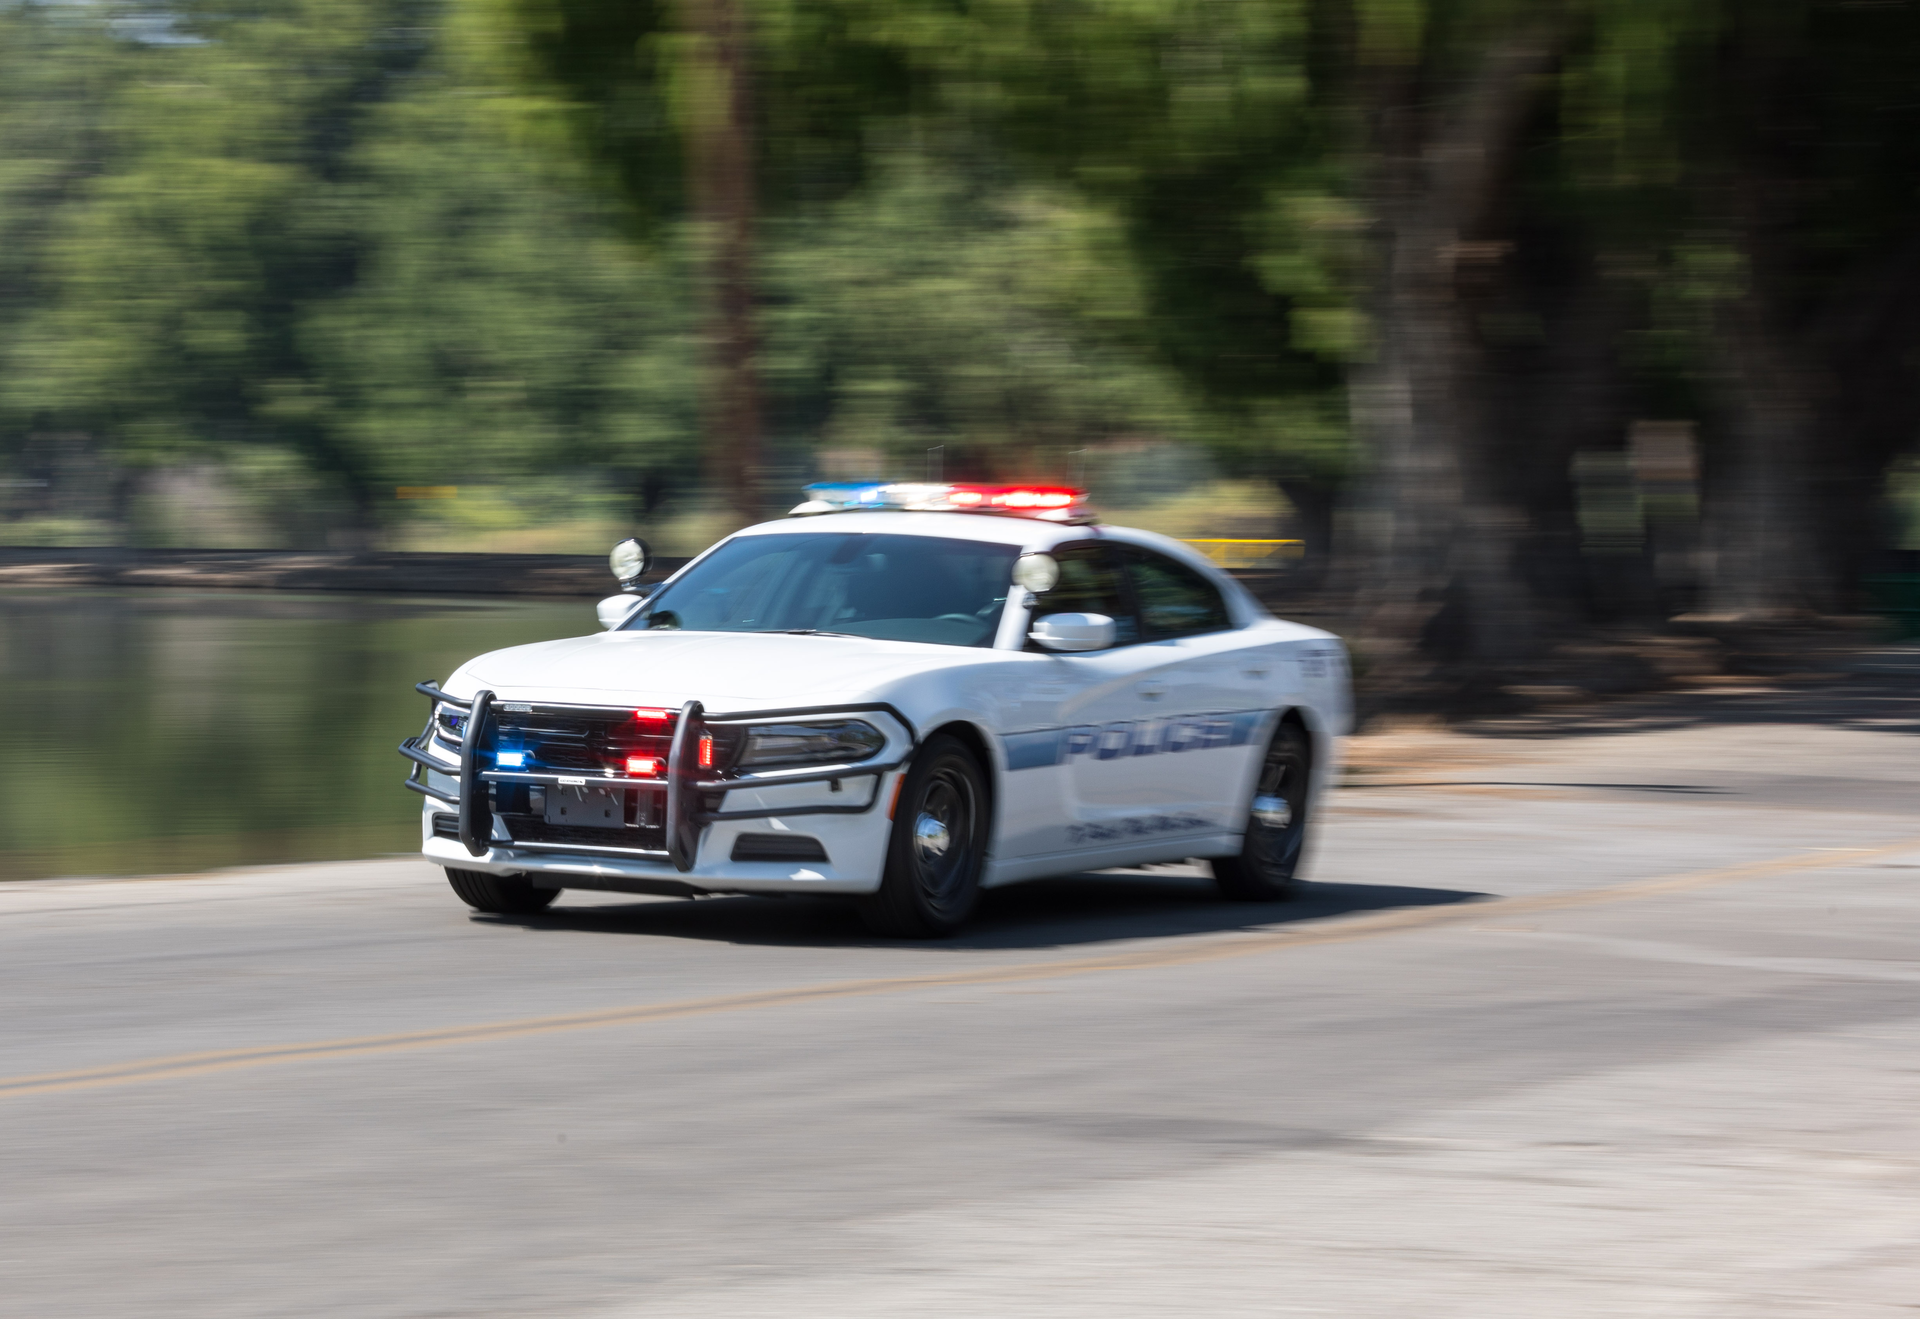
<point x="571" y="740"/>
<point x="589" y="740"/>
<point x="595" y="744"/>
<point x="530" y="829"/>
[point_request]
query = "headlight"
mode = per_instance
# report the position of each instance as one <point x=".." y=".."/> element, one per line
<point x="809" y="744"/>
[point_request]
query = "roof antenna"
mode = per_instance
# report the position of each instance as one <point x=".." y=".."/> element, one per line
<point x="936" y="460"/>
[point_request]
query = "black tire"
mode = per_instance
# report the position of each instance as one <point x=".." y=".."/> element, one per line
<point x="937" y="848"/>
<point x="503" y="895"/>
<point x="1277" y="821"/>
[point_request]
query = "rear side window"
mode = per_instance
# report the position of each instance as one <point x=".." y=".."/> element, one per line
<point x="1091" y="583"/>
<point x="1175" y="601"/>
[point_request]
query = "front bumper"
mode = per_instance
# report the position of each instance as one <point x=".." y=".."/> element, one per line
<point x="826" y="828"/>
<point x="855" y="846"/>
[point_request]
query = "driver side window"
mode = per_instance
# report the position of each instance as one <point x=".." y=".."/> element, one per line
<point x="1091" y="582"/>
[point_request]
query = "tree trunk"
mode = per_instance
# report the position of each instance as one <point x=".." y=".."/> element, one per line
<point x="1871" y="413"/>
<point x="1566" y="394"/>
<point x="1443" y="582"/>
<point x="1757" y="514"/>
<point x="1756" y="510"/>
<point x="720" y="178"/>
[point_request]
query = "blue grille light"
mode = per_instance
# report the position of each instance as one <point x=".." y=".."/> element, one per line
<point x="512" y="759"/>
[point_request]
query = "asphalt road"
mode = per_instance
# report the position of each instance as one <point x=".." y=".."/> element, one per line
<point x="1614" y="1013"/>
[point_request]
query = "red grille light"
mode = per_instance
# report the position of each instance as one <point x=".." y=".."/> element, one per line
<point x="706" y="751"/>
<point x="646" y="767"/>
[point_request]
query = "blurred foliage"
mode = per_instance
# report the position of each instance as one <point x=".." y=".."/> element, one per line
<point x="311" y="253"/>
<point x="1012" y="229"/>
<point x="316" y="250"/>
<point x="1005" y="324"/>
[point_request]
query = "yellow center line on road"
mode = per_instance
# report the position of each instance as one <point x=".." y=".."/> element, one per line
<point x="1217" y="948"/>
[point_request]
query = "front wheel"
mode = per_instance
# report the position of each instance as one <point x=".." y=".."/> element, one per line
<point x="503" y="895"/>
<point x="1276" y="824"/>
<point x="938" y="846"/>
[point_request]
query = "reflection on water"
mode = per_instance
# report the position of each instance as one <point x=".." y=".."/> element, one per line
<point x="163" y="730"/>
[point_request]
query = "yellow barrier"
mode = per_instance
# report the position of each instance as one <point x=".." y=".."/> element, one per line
<point x="1232" y="554"/>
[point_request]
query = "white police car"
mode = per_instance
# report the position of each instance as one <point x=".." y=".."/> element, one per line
<point x="919" y="693"/>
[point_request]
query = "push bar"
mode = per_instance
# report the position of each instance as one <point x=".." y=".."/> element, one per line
<point x="475" y="800"/>
<point x="683" y="770"/>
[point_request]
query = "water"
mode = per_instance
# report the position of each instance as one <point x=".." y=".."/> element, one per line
<point x="164" y="731"/>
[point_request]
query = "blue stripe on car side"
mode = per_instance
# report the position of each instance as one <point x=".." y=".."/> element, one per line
<point x="1050" y="746"/>
<point x="1033" y="750"/>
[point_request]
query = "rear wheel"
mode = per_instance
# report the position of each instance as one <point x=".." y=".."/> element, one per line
<point x="503" y="895"/>
<point x="1276" y="825"/>
<point x="938" y="845"/>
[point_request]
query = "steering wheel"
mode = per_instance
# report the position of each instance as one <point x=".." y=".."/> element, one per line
<point x="956" y="618"/>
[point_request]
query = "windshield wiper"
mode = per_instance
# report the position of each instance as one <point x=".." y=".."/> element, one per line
<point x="803" y="632"/>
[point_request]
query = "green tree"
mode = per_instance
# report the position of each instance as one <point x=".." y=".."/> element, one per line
<point x="1157" y="113"/>
<point x="663" y="98"/>
<point x="1004" y="324"/>
<point x="1802" y="173"/>
<point x="181" y="262"/>
<point x="499" y="328"/>
<point x="310" y="243"/>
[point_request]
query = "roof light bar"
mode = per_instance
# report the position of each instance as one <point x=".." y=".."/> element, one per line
<point x="1053" y="503"/>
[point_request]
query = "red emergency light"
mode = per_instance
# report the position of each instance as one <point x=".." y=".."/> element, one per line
<point x="1055" y="503"/>
<point x="1012" y="496"/>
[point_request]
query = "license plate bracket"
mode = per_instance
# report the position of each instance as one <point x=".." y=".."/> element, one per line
<point x="589" y="807"/>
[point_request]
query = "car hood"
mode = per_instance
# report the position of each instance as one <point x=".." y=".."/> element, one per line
<point x="724" y="671"/>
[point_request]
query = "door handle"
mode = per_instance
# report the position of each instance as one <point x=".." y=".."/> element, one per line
<point x="1151" y="688"/>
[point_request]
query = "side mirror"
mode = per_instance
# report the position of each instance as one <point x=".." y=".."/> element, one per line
<point x="617" y="609"/>
<point x="1074" y="632"/>
<point x="628" y="560"/>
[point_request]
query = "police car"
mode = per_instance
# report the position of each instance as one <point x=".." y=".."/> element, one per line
<point x="902" y="693"/>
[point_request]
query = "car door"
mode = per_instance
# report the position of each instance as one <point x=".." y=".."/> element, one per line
<point x="1069" y="788"/>
<point x="1197" y="753"/>
<point x="1137" y="732"/>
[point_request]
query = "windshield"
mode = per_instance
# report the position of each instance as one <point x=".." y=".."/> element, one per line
<point x="892" y="588"/>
